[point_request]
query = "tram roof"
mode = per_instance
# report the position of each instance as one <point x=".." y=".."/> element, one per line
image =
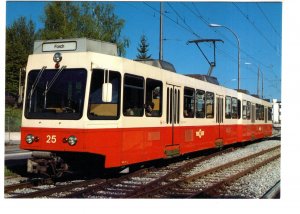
<point x="75" y="45"/>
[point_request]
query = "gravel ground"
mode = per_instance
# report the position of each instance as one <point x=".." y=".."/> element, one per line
<point x="13" y="180"/>
<point x="251" y="186"/>
<point x="255" y="185"/>
<point x="240" y="153"/>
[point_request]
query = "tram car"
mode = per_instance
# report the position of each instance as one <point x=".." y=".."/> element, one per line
<point x="83" y="102"/>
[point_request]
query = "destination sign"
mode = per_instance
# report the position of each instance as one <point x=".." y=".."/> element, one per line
<point x="59" y="46"/>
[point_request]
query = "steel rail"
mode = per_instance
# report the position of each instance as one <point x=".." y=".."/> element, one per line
<point x="273" y="192"/>
<point x="58" y="189"/>
<point x="176" y="172"/>
<point x="28" y="184"/>
<point x="107" y="183"/>
<point x="163" y="188"/>
<point x="210" y="192"/>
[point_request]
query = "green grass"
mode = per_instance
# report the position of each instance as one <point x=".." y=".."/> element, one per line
<point x="13" y="118"/>
<point x="7" y="173"/>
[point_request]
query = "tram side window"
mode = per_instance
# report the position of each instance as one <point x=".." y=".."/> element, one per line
<point x="200" y="104"/>
<point x="189" y="103"/>
<point x="248" y="110"/>
<point x="209" y="104"/>
<point x="239" y="109"/>
<point x="244" y="109"/>
<point x="234" y="113"/>
<point x="262" y="112"/>
<point x="97" y="108"/>
<point x="133" y="97"/>
<point x="259" y="112"/>
<point x="269" y="114"/>
<point x="228" y="107"/>
<point x="153" y="106"/>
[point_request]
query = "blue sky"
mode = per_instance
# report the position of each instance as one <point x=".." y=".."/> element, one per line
<point x="258" y="26"/>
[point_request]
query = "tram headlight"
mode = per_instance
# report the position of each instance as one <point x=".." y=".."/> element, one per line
<point x="29" y="138"/>
<point x="57" y="57"/>
<point x="72" y="140"/>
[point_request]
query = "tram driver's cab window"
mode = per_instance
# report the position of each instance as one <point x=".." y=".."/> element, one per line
<point x="133" y="97"/>
<point x="153" y="105"/>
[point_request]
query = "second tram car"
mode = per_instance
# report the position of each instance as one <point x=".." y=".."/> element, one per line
<point x="82" y="100"/>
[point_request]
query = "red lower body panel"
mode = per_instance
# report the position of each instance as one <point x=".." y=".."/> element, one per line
<point x="124" y="146"/>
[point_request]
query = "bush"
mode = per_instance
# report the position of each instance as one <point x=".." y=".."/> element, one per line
<point x="13" y="118"/>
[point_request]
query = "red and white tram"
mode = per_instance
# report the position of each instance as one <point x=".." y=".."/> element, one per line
<point x="82" y="100"/>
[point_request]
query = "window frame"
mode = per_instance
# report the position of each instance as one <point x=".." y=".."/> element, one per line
<point x="140" y="109"/>
<point x="234" y="112"/>
<point x="192" y="103"/>
<point x="50" y="116"/>
<point x="249" y="104"/>
<point x="200" y="114"/>
<point x="270" y="114"/>
<point x="103" y="117"/>
<point x="239" y="103"/>
<point x="213" y="104"/>
<point x="228" y="111"/>
<point x="244" y="109"/>
<point x="161" y="96"/>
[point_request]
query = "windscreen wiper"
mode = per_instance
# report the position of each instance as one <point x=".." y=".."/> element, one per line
<point x="37" y="79"/>
<point x="48" y="86"/>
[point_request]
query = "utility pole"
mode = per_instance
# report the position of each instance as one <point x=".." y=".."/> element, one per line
<point x="262" y="85"/>
<point x="161" y="33"/>
<point x="258" y="81"/>
<point x="238" y="42"/>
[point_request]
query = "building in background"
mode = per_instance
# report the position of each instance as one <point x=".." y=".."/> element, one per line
<point x="276" y="113"/>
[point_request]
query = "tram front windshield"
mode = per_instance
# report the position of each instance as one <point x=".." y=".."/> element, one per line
<point x="55" y="94"/>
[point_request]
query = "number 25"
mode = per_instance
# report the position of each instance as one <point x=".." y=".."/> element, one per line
<point x="51" y="139"/>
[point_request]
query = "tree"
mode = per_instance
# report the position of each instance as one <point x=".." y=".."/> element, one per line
<point x="19" y="44"/>
<point x="143" y="48"/>
<point x="83" y="19"/>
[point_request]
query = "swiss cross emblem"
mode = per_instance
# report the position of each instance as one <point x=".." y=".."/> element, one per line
<point x="199" y="133"/>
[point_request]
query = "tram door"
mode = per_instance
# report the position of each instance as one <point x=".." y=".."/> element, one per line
<point x="172" y="118"/>
<point x="219" y="112"/>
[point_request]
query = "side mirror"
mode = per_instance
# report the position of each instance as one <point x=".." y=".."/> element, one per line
<point x="107" y="92"/>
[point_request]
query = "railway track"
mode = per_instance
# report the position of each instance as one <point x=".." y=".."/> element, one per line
<point x="209" y="183"/>
<point x="88" y="188"/>
<point x="27" y="184"/>
<point x="185" y="179"/>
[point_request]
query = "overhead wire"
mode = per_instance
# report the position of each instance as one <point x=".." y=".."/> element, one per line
<point x="221" y="34"/>
<point x="268" y="20"/>
<point x="172" y="20"/>
<point x="268" y="41"/>
<point x="242" y="50"/>
<point x="188" y="28"/>
<point x="226" y="54"/>
<point x="255" y="27"/>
